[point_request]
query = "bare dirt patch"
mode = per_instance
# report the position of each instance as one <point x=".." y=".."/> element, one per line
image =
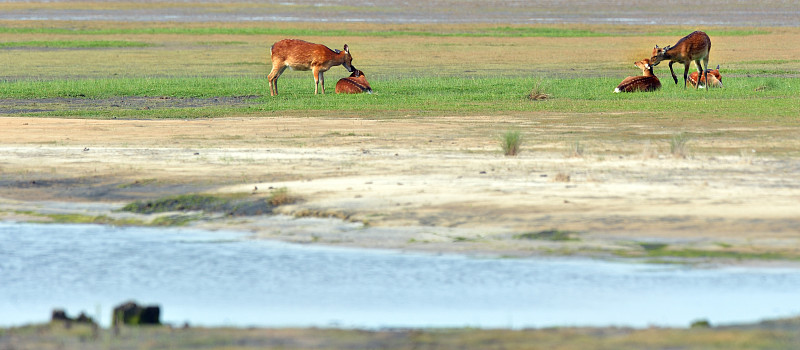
<point x="17" y="106"/>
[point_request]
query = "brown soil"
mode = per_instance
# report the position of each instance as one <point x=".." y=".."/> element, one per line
<point x="426" y="183"/>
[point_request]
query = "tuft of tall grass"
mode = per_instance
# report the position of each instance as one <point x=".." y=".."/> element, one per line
<point x="511" y="142"/>
<point x="678" y="145"/>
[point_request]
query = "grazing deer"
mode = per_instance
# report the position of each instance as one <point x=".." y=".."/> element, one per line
<point x="645" y="82"/>
<point x="303" y="55"/>
<point x="693" y="47"/>
<point x="714" y="78"/>
<point x="354" y="84"/>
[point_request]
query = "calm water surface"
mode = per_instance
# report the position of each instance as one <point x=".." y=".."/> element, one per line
<point x="224" y="278"/>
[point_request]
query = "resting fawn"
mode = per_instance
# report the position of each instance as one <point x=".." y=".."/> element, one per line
<point x="354" y="84"/>
<point x="645" y="82"/>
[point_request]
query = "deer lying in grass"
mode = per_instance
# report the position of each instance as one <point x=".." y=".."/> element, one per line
<point x="714" y="79"/>
<point x="354" y="84"/>
<point x="645" y="82"/>
<point x="303" y="55"/>
<point x="693" y="47"/>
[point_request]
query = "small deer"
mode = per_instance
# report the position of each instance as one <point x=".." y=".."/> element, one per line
<point x="303" y="55"/>
<point x="645" y="82"/>
<point x="714" y="78"/>
<point x="354" y="84"/>
<point x="693" y="47"/>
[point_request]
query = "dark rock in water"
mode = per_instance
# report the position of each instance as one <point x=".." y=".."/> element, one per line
<point x="131" y="313"/>
<point x="59" y="315"/>
<point x="83" y="318"/>
<point x="150" y="315"/>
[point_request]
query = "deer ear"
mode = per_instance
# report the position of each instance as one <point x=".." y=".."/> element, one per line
<point x="346" y="49"/>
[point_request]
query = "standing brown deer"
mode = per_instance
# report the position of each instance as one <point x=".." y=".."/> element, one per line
<point x="354" y="84"/>
<point x="303" y="55"/>
<point x="645" y="82"/>
<point x="714" y="78"/>
<point x="693" y="47"/>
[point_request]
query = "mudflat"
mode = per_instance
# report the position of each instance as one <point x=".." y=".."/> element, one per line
<point x="434" y="183"/>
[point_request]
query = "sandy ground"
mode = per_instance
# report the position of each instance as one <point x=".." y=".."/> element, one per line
<point x="419" y="183"/>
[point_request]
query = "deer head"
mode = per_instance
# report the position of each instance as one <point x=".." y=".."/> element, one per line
<point x="659" y="54"/>
<point x="348" y="60"/>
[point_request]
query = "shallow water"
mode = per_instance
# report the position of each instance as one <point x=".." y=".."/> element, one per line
<point x="225" y="279"/>
<point x="665" y="12"/>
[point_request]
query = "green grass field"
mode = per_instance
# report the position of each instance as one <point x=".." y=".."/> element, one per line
<point x="422" y="69"/>
<point x="746" y="98"/>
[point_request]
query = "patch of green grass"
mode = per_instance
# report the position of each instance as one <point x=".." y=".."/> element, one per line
<point x="190" y="202"/>
<point x="769" y="62"/>
<point x="549" y="235"/>
<point x="73" y="44"/>
<point x="229" y="205"/>
<point x="86" y="219"/>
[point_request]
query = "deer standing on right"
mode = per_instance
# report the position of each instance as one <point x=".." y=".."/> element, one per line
<point x="693" y="47"/>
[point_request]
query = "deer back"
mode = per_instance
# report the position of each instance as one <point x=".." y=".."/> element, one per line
<point x="692" y="47"/>
<point x="303" y="55"/>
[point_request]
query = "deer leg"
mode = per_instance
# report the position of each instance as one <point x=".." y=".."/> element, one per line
<point x="322" y="81"/>
<point x="316" y="80"/>
<point x="686" y="74"/>
<point x="273" y="79"/>
<point x="701" y="78"/>
<point x="673" y="72"/>
<point x="703" y="71"/>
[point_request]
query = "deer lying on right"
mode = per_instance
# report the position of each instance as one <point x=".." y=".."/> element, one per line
<point x="693" y="47"/>
<point x="354" y="84"/>
<point x="714" y="79"/>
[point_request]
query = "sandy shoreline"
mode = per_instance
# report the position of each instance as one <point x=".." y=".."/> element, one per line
<point x="426" y="184"/>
